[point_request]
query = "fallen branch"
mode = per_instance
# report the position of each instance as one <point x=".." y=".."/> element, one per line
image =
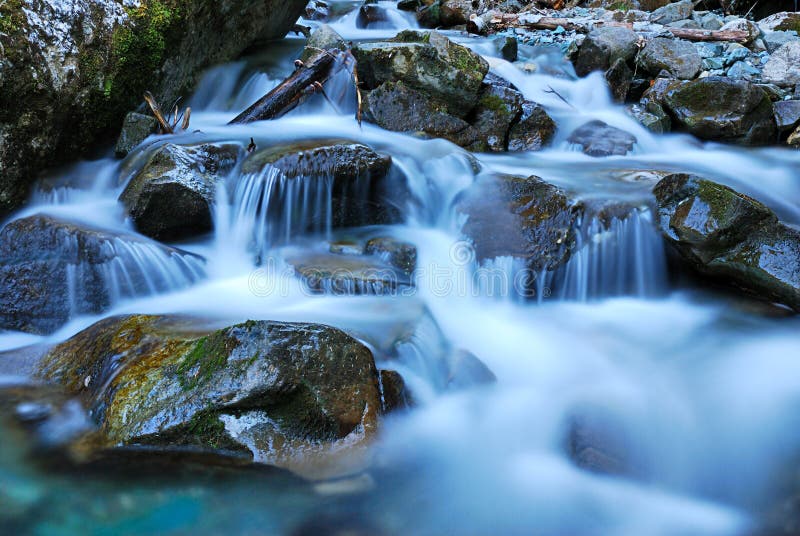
<point x="289" y="93"/>
<point x="493" y="21"/>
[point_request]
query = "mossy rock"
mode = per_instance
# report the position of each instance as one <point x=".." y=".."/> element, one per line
<point x="299" y="396"/>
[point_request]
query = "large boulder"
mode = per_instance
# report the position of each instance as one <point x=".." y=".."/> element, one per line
<point x="673" y="12"/>
<point x="51" y="270"/>
<point x="723" y="109"/>
<point x="362" y="188"/>
<point x="304" y="397"/>
<point x="604" y="46"/>
<point x="783" y="67"/>
<point x="677" y="57"/>
<point x="69" y="71"/>
<point x="172" y="196"/>
<point x="729" y="236"/>
<point x="427" y="62"/>
<point x="787" y="115"/>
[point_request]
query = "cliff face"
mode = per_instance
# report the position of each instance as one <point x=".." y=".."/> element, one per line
<point x="69" y="70"/>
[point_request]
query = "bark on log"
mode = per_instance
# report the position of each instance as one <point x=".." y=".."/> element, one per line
<point x="494" y="21"/>
<point x="291" y="91"/>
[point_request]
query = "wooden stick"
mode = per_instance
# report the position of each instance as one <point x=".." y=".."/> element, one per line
<point x="291" y="91"/>
<point x="156" y="109"/>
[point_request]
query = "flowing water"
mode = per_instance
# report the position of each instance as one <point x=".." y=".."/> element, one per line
<point x="701" y="391"/>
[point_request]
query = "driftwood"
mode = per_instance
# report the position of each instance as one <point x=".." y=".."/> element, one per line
<point x="165" y="126"/>
<point x="307" y="79"/>
<point x="493" y="21"/>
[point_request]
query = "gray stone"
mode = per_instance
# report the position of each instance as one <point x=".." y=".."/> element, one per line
<point x="784" y="20"/>
<point x="673" y="12"/>
<point x="596" y="138"/>
<point x="135" y="129"/>
<point x="708" y="20"/>
<point x="603" y="46"/>
<point x="677" y="57"/>
<point x="534" y="129"/>
<point x="323" y="38"/>
<point x="775" y="40"/>
<point x="651" y="116"/>
<point x="743" y="70"/>
<point x="783" y="67"/>
<point x="787" y="115"/>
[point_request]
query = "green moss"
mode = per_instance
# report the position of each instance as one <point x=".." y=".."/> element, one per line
<point x="12" y="17"/>
<point x="206" y="428"/>
<point x="209" y="355"/>
<point x="620" y="6"/>
<point x="494" y="103"/>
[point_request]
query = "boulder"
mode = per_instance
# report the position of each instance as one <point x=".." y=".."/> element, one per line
<point x="783" y="67"/>
<point x="533" y="130"/>
<point x="401" y="255"/>
<point x="427" y="62"/>
<point x="603" y="46"/>
<point x="673" y="12"/>
<point x="596" y="138"/>
<point x="324" y="38"/>
<point x="348" y="275"/>
<point x="775" y="40"/>
<point x="677" y="57"/>
<point x="63" y="92"/>
<point x="652" y="116"/>
<point x="135" y="129"/>
<point x="723" y="109"/>
<point x="172" y="196"/>
<point x="52" y="270"/>
<point x="787" y="115"/>
<point x="731" y="237"/>
<point x="304" y="397"/>
<point x="783" y="21"/>
<point x="619" y="77"/>
<point x="363" y="190"/>
<point x="498" y="108"/>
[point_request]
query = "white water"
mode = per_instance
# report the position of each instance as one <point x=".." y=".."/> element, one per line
<point x="703" y="394"/>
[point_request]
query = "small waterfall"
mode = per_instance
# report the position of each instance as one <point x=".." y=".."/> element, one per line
<point x="269" y="208"/>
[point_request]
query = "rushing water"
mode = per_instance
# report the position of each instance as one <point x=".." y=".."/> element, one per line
<point x="701" y="392"/>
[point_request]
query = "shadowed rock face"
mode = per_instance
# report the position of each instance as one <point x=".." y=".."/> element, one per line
<point x="599" y="139"/>
<point x="63" y="92"/>
<point x="299" y="396"/>
<point x="730" y="236"/>
<point x="603" y="47"/>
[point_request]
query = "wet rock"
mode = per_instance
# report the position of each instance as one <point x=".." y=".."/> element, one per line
<point x="370" y="14"/>
<point x="427" y="62"/>
<point x="603" y="46"/>
<point x="172" y="197"/>
<point x="509" y="48"/>
<point x="652" y="116"/>
<point x="323" y="38"/>
<point x="71" y="71"/>
<point x="677" y="57"/>
<point x="596" y="138"/>
<point x="401" y="255"/>
<point x="794" y="139"/>
<point x="298" y="396"/>
<point x="395" y="395"/>
<point x="397" y="107"/>
<point x="597" y="443"/>
<point x="51" y="270"/>
<point x="731" y="237"/>
<point x="783" y="67"/>
<point x="363" y="189"/>
<point x="135" y="129"/>
<point x="317" y="10"/>
<point x="525" y="218"/>
<point x="498" y="107"/>
<point x="673" y="12"/>
<point x="723" y="109"/>
<point x="533" y="130"/>
<point x="787" y="115"/>
<point x="349" y="275"/>
<point x="619" y="77"/>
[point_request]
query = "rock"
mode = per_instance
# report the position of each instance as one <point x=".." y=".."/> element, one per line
<point x="677" y="57"/>
<point x="317" y="10"/>
<point x="525" y="218"/>
<point x="427" y="62"/>
<point x="304" y="397"/>
<point x="349" y="275"/>
<point x="723" y="109"/>
<point x="596" y="442"/>
<point x="323" y="38"/>
<point x="730" y="236"/>
<point x="395" y="106"/>
<point x="394" y="394"/>
<point x="52" y="270"/>
<point x="135" y="129"/>
<point x="743" y="70"/>
<point x="498" y="108"/>
<point x="673" y="12"/>
<point x="794" y="139"/>
<point x="708" y="20"/>
<point x="363" y="188"/>
<point x="686" y="23"/>
<point x="172" y="197"/>
<point x="509" y="48"/>
<point x="603" y="46"/>
<point x="599" y="139"/>
<point x="533" y="131"/>
<point x="783" y="67"/>
<point x="782" y="21"/>
<point x="651" y="116"/>
<point x="743" y="25"/>
<point x="64" y="91"/>
<point x="775" y="40"/>
<point x="619" y="77"/>
<point x="401" y="255"/>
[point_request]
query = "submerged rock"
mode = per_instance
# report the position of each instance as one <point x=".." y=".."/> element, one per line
<point x="730" y="236"/>
<point x="363" y="190"/>
<point x="401" y="255"/>
<point x="51" y="270"/>
<point x="172" y="197"/>
<point x="599" y="139"/>
<point x="72" y="70"/>
<point x="135" y="129"/>
<point x="299" y="396"/>
<point x="723" y="109"/>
